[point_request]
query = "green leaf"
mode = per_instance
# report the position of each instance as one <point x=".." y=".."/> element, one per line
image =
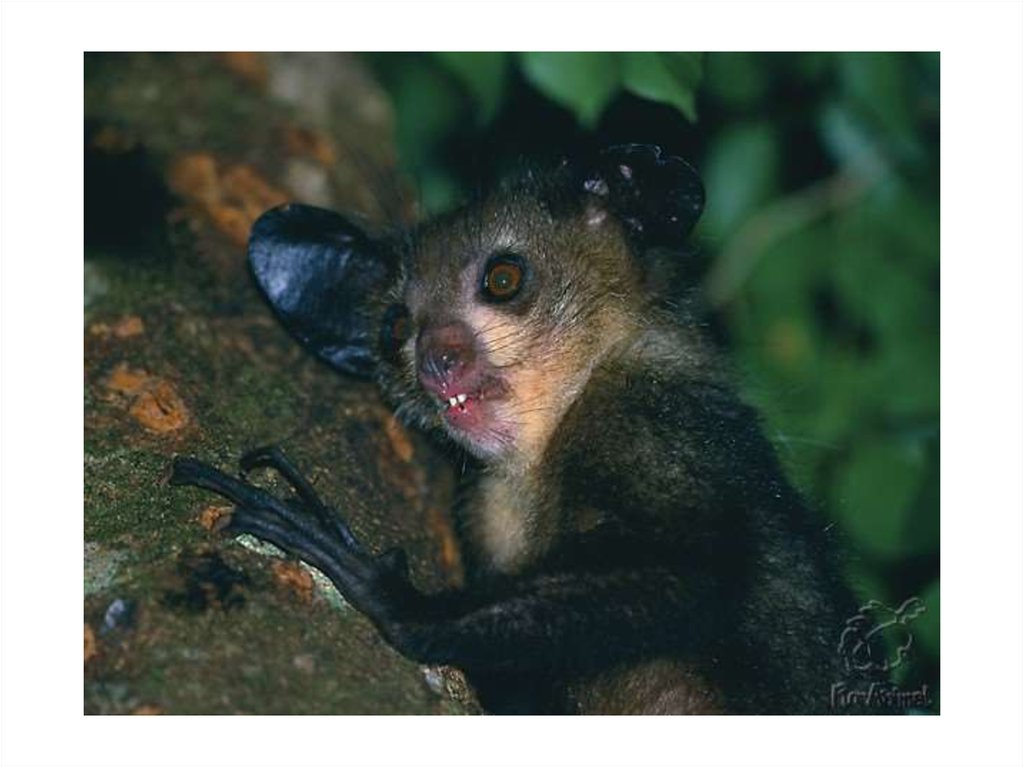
<point x="875" y="492"/>
<point x="906" y="374"/>
<point x="881" y="291"/>
<point x="739" y="80"/>
<point x="866" y="583"/>
<point x="669" y="78"/>
<point x="427" y="101"/>
<point x="909" y="220"/>
<point x="741" y="172"/>
<point x="483" y="75"/>
<point x="428" y="107"/>
<point x="853" y="144"/>
<point x="878" y="85"/>
<point x="582" y="82"/>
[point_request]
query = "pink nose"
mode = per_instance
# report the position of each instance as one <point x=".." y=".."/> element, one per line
<point x="446" y="356"/>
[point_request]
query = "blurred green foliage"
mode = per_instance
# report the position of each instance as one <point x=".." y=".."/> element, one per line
<point x="820" y="243"/>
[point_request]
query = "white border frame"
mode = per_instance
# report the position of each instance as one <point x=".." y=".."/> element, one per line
<point x="41" y="92"/>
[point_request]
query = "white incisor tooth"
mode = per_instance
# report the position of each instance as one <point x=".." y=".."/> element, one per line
<point x="453" y="401"/>
<point x="461" y="398"/>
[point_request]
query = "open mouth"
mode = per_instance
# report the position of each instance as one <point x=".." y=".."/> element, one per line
<point x="470" y="405"/>
<point x="462" y="404"/>
<point x="472" y="416"/>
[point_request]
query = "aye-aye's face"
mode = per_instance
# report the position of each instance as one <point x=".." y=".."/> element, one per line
<point x="486" y="323"/>
<point x="502" y="309"/>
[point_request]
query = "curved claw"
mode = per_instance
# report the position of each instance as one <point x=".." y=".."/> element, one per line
<point x="265" y="455"/>
<point x="273" y="457"/>
<point x="189" y="471"/>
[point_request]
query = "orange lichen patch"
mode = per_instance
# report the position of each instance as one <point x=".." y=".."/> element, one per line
<point x="214" y="518"/>
<point x="399" y="439"/>
<point x="232" y="197"/>
<point x="160" y="409"/>
<point x="194" y="177"/>
<point x="152" y="401"/>
<point x="124" y="380"/>
<point x="251" y="67"/>
<point x="309" y="143"/>
<point x="147" y="709"/>
<point x="126" y="327"/>
<point x="231" y="221"/>
<point x="244" y="186"/>
<point x="91" y="649"/>
<point x="295" y="578"/>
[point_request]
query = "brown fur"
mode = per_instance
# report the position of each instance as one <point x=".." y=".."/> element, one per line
<point x="660" y="686"/>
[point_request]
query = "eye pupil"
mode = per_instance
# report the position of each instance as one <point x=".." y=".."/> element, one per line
<point x="503" y="277"/>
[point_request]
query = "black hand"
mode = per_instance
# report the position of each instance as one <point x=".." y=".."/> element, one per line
<point x="305" y="527"/>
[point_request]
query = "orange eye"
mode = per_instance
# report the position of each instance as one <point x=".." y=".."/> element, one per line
<point x="395" y="330"/>
<point x="503" y="277"/>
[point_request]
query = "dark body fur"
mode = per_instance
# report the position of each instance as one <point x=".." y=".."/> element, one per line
<point x="755" y="602"/>
<point x="632" y="545"/>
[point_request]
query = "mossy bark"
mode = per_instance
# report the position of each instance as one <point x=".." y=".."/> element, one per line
<point x="182" y="357"/>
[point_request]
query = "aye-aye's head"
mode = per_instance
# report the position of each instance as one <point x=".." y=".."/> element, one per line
<point x="486" y="322"/>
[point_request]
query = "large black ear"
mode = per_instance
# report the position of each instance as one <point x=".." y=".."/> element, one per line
<point x="657" y="196"/>
<point x="319" y="272"/>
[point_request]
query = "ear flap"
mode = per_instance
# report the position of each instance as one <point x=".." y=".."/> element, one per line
<point x="319" y="272"/>
<point x="657" y="196"/>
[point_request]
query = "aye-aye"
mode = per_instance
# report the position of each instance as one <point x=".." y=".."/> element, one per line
<point x="632" y="544"/>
